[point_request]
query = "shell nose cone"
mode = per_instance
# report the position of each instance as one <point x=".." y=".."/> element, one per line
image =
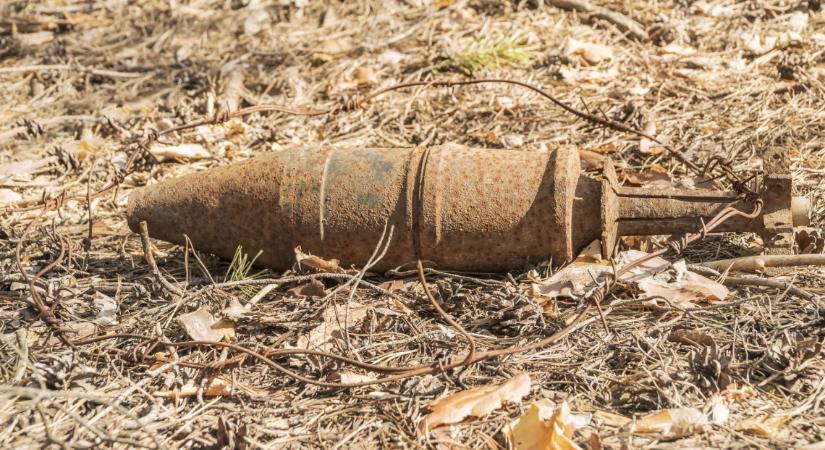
<point x="163" y="212"/>
<point x="219" y="210"/>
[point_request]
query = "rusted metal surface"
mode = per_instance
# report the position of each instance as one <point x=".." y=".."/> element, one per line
<point x="460" y="208"/>
<point x="456" y="207"/>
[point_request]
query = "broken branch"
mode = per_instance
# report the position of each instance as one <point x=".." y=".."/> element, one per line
<point x="760" y="262"/>
<point x="622" y="22"/>
<point x="150" y="259"/>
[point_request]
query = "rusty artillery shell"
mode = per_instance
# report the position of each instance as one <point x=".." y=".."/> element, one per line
<point x="461" y="208"/>
<point x="458" y="208"/>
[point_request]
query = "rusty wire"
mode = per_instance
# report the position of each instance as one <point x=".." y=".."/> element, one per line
<point x="594" y="299"/>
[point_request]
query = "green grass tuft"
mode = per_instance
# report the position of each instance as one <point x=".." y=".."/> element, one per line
<point x="240" y="267"/>
<point x="492" y="52"/>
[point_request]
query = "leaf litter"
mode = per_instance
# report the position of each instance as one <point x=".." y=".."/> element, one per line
<point x="721" y="79"/>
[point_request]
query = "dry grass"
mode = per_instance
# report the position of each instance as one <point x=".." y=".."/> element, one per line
<point x="114" y="69"/>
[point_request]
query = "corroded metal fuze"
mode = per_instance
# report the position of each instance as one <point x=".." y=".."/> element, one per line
<point x="458" y="208"/>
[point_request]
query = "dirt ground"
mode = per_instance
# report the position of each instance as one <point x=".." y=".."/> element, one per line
<point x="82" y="82"/>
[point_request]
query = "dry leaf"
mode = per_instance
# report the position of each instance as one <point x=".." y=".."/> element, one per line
<point x="353" y="378"/>
<point x="604" y="149"/>
<point x="322" y="336"/>
<point x="314" y="288"/>
<point x="393" y="285"/>
<point x="610" y="419"/>
<point x="476" y="402"/>
<point x="329" y="49"/>
<point x="546" y="427"/>
<point x="323" y="265"/>
<point x="366" y="76"/>
<point x="512" y="140"/>
<point x="235" y="310"/>
<point x="590" y="52"/>
<point x="678" y="50"/>
<point x="201" y="326"/>
<point x="8" y="196"/>
<point x="674" y="421"/>
<point x="215" y="387"/>
<point x="685" y="289"/>
<point x="572" y="280"/>
<point x="179" y="152"/>
<point x="106" y="309"/>
<point x="764" y="426"/>
<point x="650" y="179"/>
<point x="757" y="45"/>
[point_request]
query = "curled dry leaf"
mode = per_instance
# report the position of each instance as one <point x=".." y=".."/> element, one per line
<point x="546" y="426"/>
<point x="575" y="277"/>
<point x="314" y="288"/>
<point x="682" y="287"/>
<point x="763" y="426"/>
<point x="591" y="53"/>
<point x="201" y="326"/>
<point x="318" y="263"/>
<point x="179" y="152"/>
<point x="685" y="288"/>
<point x="674" y="421"/>
<point x="610" y="419"/>
<point x="476" y="402"/>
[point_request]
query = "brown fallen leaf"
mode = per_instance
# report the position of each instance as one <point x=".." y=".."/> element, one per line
<point x="762" y="426"/>
<point x="366" y="76"/>
<point x="611" y="419"/>
<point x="476" y="402"/>
<point x="334" y="317"/>
<point x="315" y="288"/>
<point x="318" y="263"/>
<point x="572" y="280"/>
<point x="546" y="426"/>
<point x="685" y="288"/>
<point x="590" y="52"/>
<point x="393" y="285"/>
<point x="674" y="421"/>
<point x="201" y="326"/>
<point x="696" y="338"/>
